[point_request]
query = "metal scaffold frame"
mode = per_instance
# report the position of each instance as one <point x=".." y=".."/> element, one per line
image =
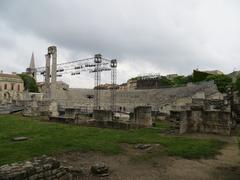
<point x="97" y="77"/>
<point x="114" y="85"/>
<point x="96" y="65"/>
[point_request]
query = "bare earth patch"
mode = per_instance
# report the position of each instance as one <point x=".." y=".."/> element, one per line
<point x="152" y="164"/>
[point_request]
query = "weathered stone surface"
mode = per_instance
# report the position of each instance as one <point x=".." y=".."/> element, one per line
<point x="22" y="138"/>
<point x="100" y="169"/>
<point x="142" y="116"/>
<point x="38" y="168"/>
<point x="143" y="146"/>
<point x="210" y="116"/>
<point x="103" y="115"/>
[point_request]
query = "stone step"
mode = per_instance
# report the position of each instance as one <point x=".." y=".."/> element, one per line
<point x="10" y="109"/>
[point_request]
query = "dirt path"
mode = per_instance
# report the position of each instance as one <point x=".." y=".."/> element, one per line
<point x="224" y="166"/>
<point x="132" y="165"/>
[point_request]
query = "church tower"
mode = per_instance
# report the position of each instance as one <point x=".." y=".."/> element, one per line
<point x="32" y="69"/>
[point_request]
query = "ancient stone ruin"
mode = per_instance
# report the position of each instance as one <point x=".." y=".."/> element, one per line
<point x="195" y="107"/>
<point x="37" y="169"/>
<point x="204" y="116"/>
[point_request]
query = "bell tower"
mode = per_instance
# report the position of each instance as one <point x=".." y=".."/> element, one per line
<point x="32" y="69"/>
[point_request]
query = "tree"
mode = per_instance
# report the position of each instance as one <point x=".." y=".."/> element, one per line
<point x="165" y="82"/>
<point x="29" y="83"/>
<point x="180" y="80"/>
<point x="237" y="84"/>
<point x="199" y="76"/>
<point x="222" y="81"/>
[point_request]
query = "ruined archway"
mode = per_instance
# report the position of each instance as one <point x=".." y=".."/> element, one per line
<point x="7" y="97"/>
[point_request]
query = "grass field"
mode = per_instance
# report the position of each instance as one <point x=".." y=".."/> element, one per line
<point x="50" y="138"/>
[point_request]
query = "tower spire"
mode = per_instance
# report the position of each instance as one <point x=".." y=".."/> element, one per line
<point x="32" y="62"/>
<point x="32" y="70"/>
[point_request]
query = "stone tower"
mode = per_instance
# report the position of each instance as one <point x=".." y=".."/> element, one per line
<point x="32" y="69"/>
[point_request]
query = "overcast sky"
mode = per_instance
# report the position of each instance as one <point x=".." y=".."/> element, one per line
<point x="146" y="36"/>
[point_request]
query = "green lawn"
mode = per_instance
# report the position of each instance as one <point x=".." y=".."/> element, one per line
<point x="50" y="138"/>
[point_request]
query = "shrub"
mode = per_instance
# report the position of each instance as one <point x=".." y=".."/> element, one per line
<point x="222" y="81"/>
<point x="199" y="76"/>
<point x="29" y="83"/>
<point x="237" y="84"/>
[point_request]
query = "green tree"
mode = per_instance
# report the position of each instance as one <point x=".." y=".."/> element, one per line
<point x="222" y="81"/>
<point x="237" y="84"/>
<point x="29" y="83"/>
<point x="165" y="82"/>
<point x="180" y="80"/>
<point x="199" y="76"/>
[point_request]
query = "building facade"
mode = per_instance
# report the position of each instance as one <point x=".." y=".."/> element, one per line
<point x="11" y="88"/>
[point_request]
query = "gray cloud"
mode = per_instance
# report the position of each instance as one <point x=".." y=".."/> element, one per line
<point x="147" y="35"/>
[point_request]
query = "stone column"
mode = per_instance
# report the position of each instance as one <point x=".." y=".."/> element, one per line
<point x="53" y="51"/>
<point x="53" y="109"/>
<point x="143" y="116"/>
<point x="54" y="64"/>
<point x="47" y="75"/>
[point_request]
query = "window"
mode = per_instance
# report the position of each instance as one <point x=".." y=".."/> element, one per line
<point x="18" y="87"/>
<point x="5" y="86"/>
<point x="12" y="87"/>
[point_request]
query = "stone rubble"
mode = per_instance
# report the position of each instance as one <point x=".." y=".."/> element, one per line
<point x="20" y="138"/>
<point x="37" y="169"/>
<point x="143" y="146"/>
<point x="100" y="169"/>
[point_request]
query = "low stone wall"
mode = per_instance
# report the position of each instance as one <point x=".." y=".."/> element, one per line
<point x="143" y="116"/>
<point x="199" y="120"/>
<point x="35" y="108"/>
<point x="38" y="169"/>
<point x="103" y="115"/>
<point x="128" y="100"/>
<point x="96" y="123"/>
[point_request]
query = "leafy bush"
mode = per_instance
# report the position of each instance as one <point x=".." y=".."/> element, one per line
<point x="164" y="81"/>
<point x="237" y="84"/>
<point x="222" y="81"/>
<point x="181" y="80"/>
<point x="199" y="76"/>
<point x="29" y="83"/>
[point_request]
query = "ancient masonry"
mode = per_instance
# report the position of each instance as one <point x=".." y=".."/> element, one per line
<point x="124" y="108"/>
<point x="41" y="168"/>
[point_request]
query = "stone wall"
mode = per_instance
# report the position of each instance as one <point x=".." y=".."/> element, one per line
<point x="96" y="123"/>
<point x="157" y="98"/>
<point x="103" y="115"/>
<point x="37" y="169"/>
<point x="35" y="108"/>
<point x="142" y="116"/>
<point x="203" y="121"/>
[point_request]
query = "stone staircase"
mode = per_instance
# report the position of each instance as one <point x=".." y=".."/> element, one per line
<point x="10" y="108"/>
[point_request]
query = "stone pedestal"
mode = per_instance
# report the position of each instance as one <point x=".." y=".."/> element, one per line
<point x="103" y="115"/>
<point x="53" y="109"/>
<point x="143" y="116"/>
<point x="31" y="109"/>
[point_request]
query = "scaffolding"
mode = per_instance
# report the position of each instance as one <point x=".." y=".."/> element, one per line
<point x="97" y="82"/>
<point x="113" y="65"/>
<point x="96" y="65"/>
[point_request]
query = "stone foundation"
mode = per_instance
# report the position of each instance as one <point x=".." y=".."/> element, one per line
<point x="103" y="115"/>
<point x="35" y="108"/>
<point x="95" y="123"/>
<point x="142" y="116"/>
<point x="199" y="120"/>
<point x="38" y="169"/>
